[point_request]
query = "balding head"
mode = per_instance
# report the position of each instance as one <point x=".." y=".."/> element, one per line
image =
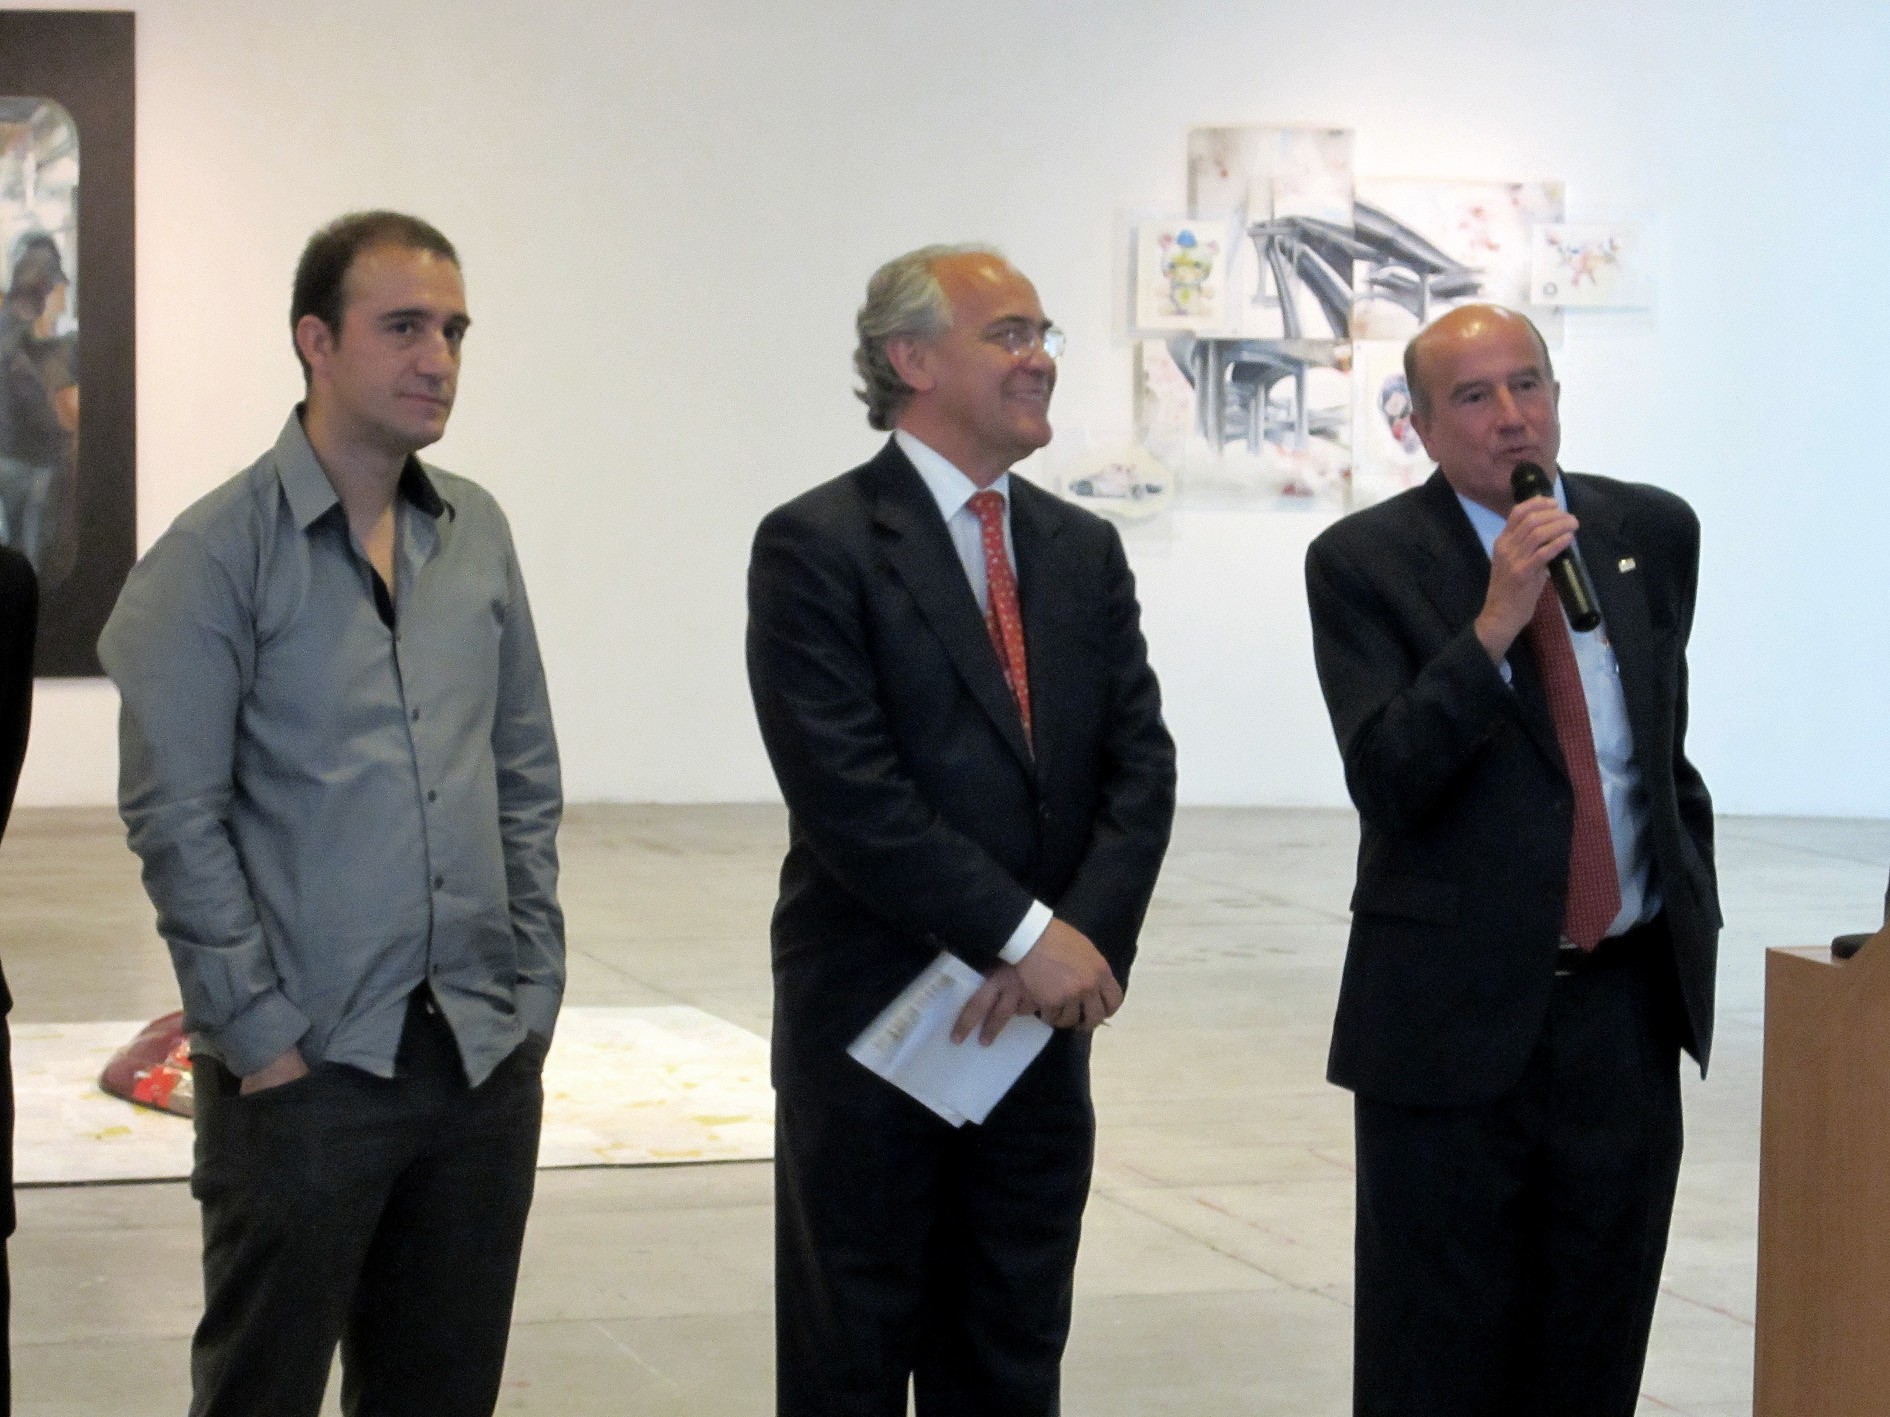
<point x="1483" y="399"/>
<point x="1464" y="324"/>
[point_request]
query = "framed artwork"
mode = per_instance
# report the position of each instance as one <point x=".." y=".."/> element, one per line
<point x="68" y="412"/>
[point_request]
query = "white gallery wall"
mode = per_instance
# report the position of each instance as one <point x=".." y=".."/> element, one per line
<point x="667" y="214"/>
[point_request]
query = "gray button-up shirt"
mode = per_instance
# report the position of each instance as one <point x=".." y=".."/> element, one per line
<point x="330" y="811"/>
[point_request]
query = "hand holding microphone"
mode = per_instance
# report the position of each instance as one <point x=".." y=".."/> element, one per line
<point x="1535" y="543"/>
<point x="1572" y="586"/>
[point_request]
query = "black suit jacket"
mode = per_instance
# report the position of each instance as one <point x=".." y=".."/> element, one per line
<point x="919" y="817"/>
<point x="19" y="625"/>
<point x="1465" y="809"/>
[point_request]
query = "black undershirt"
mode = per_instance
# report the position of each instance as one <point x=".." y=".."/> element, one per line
<point x="383" y="600"/>
<point x="419" y="490"/>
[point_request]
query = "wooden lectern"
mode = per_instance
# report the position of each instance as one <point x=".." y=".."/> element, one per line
<point x="1823" y="1343"/>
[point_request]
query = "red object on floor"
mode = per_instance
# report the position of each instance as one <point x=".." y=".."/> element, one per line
<point x="153" y="1070"/>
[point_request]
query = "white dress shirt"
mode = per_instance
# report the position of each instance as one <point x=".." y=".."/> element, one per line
<point x="953" y="491"/>
<point x="1614" y="744"/>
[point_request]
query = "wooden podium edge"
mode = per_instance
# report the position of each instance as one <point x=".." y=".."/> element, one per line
<point x="1824" y="1185"/>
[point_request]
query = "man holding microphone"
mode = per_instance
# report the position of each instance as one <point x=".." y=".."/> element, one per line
<point x="1535" y="919"/>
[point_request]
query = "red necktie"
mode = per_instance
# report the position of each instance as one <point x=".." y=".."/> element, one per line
<point x="1002" y="617"/>
<point x="1594" y="885"/>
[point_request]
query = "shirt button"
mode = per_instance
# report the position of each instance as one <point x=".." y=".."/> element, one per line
<point x="438" y="881"/>
<point x="416" y="715"/>
<point x="432" y="796"/>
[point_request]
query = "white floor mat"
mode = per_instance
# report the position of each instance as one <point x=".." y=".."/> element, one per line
<point x="623" y="1087"/>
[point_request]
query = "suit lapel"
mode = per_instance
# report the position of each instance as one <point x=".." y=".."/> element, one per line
<point x="1608" y="552"/>
<point x="1455" y="581"/>
<point x="921" y="553"/>
<point x="1453" y="571"/>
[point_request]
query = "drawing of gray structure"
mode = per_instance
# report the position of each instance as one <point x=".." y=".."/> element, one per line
<point x="1308" y="258"/>
<point x="1235" y="382"/>
<point x="1439" y="244"/>
<point x="1322" y="259"/>
<point x="1403" y="267"/>
<point x="1289" y="391"/>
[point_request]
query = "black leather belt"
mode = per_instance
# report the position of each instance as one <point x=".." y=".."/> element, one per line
<point x="1625" y="948"/>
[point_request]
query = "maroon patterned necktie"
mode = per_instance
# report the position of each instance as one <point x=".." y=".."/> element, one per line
<point x="1002" y="617"/>
<point x="1594" y="885"/>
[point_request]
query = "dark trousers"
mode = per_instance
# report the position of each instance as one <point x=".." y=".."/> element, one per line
<point x="1508" y="1254"/>
<point x="907" y="1250"/>
<point x="385" y="1214"/>
<point x="6" y="1210"/>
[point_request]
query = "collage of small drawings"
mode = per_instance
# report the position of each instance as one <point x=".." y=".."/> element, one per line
<point x="1269" y="319"/>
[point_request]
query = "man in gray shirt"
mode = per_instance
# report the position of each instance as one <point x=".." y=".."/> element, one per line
<point x="337" y="763"/>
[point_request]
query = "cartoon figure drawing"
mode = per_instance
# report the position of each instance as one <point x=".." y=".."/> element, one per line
<point x="1394" y="401"/>
<point x="1585" y="260"/>
<point x="1187" y="264"/>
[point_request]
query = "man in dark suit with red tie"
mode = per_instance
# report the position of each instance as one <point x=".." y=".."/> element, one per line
<point x="19" y="624"/>
<point x="1535" y="920"/>
<point x="953" y="689"/>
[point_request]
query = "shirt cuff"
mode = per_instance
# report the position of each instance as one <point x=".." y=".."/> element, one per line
<point x="537" y="1006"/>
<point x="266" y="1029"/>
<point x="1029" y="930"/>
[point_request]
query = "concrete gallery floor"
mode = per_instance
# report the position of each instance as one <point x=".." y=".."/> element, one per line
<point x="1216" y="1268"/>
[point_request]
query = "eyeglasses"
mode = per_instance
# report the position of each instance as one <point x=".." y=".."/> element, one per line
<point x="1017" y="340"/>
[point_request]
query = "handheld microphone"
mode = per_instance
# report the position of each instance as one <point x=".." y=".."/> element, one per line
<point x="1572" y="586"/>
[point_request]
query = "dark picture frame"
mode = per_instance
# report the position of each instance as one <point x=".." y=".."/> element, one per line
<point x="85" y="61"/>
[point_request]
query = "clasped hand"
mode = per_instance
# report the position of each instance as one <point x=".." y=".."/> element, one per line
<point x="1064" y="980"/>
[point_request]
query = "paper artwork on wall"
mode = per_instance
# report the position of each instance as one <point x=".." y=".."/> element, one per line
<point x="1181" y="274"/>
<point x="1258" y="405"/>
<point x="1248" y="419"/>
<point x="1387" y="456"/>
<point x="1269" y="324"/>
<point x="1446" y="244"/>
<point x="1124" y="482"/>
<point x="1290" y="192"/>
<point x="1591" y="264"/>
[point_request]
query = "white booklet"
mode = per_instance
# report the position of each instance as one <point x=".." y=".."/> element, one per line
<point x="910" y="1045"/>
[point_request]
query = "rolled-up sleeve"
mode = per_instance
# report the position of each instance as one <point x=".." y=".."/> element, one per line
<point x="180" y="646"/>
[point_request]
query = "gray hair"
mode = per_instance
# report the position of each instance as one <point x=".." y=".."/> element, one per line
<point x="903" y="301"/>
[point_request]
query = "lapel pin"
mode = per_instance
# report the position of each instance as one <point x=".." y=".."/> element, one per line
<point x="1627" y="564"/>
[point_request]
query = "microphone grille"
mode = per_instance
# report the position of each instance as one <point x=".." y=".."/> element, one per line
<point x="1529" y="480"/>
